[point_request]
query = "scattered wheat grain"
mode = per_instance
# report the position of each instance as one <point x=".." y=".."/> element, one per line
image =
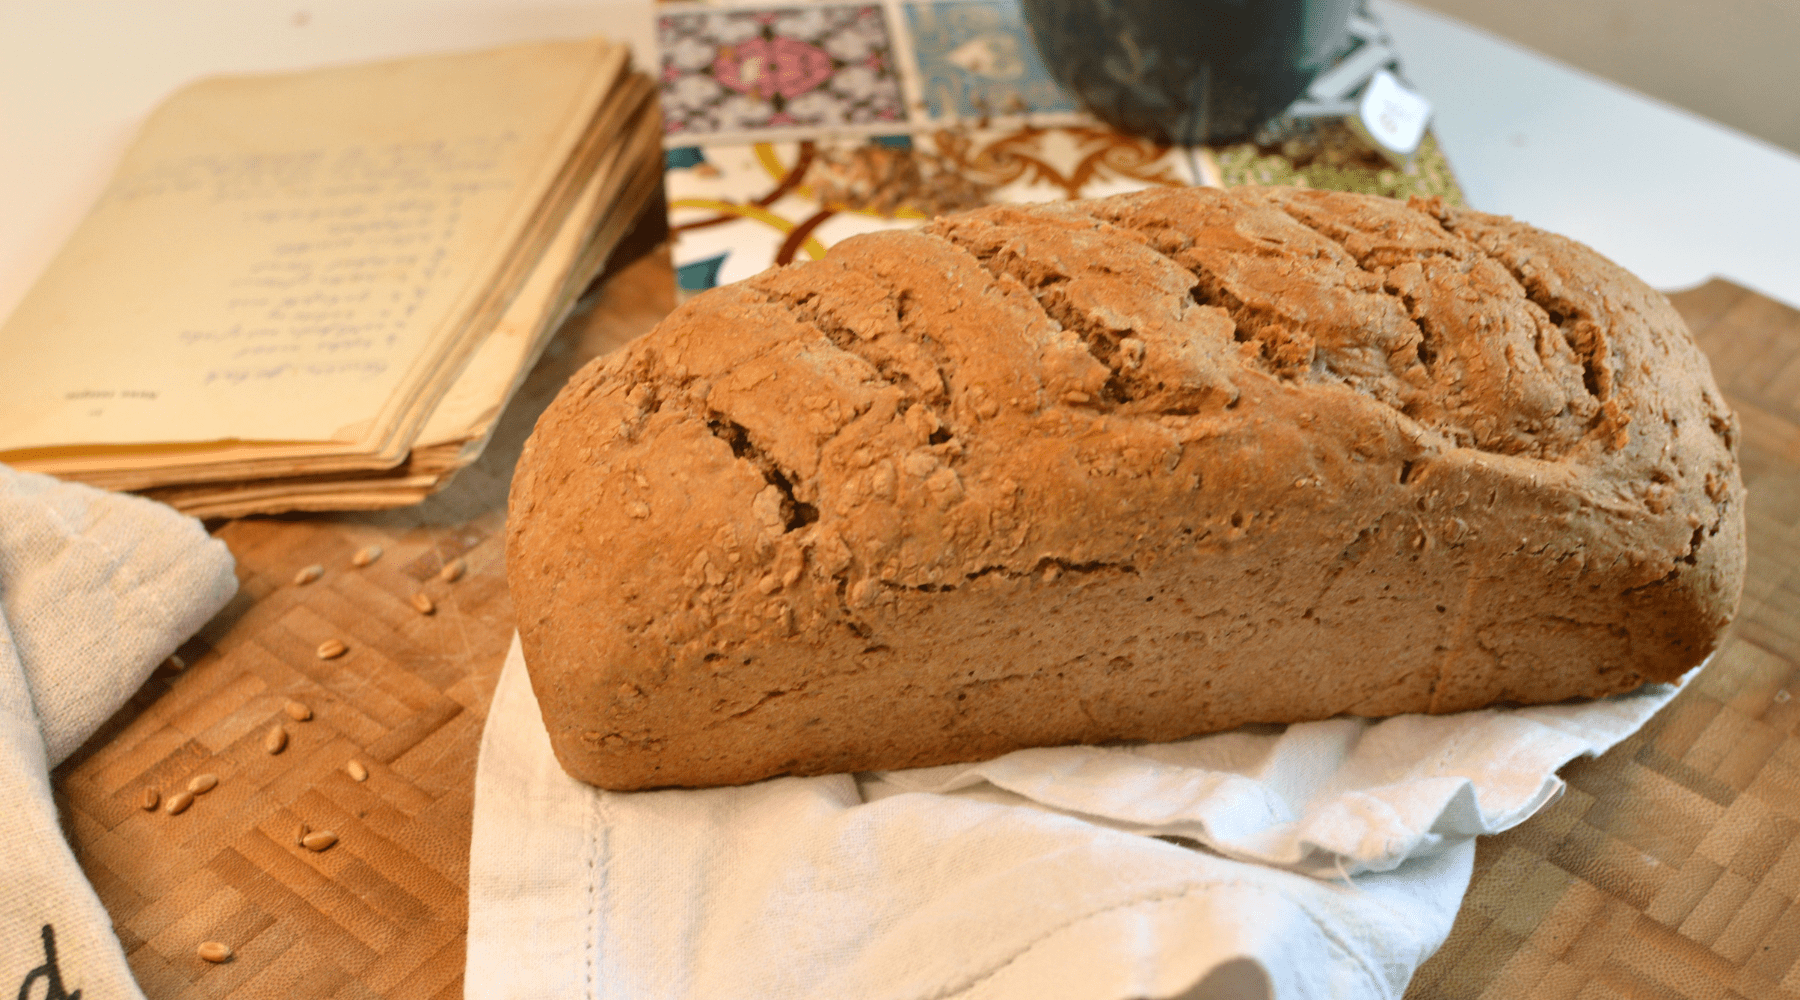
<point x="319" y="841"/>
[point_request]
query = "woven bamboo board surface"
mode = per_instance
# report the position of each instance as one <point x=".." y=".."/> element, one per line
<point x="1670" y="869"/>
<point x="384" y="911"/>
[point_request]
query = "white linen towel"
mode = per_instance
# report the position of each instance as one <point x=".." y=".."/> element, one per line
<point x="96" y="589"/>
<point x="1325" y="859"/>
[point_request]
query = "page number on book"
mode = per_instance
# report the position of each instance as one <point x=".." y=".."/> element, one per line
<point x="1393" y="113"/>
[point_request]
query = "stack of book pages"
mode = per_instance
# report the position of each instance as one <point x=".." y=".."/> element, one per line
<point x="318" y="290"/>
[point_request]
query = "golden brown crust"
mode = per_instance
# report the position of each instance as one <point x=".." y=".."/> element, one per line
<point x="1137" y="468"/>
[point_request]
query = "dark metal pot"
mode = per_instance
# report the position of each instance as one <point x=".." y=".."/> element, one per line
<point x="1188" y="71"/>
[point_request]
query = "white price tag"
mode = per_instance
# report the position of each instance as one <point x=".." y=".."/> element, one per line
<point x="1394" y="114"/>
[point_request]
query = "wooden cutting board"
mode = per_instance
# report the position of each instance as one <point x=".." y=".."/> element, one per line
<point x="1670" y="868"/>
<point x="384" y="911"/>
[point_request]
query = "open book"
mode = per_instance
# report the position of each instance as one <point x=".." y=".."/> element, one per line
<point x="317" y="290"/>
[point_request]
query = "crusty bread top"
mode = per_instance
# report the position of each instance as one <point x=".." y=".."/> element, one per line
<point x="904" y="415"/>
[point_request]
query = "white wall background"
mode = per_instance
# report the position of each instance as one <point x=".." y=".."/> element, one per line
<point x="1734" y="61"/>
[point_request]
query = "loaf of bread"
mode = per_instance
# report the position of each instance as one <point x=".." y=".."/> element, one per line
<point x="1135" y="468"/>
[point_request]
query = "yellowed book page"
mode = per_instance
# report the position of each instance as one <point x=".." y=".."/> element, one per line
<point x="596" y="146"/>
<point x="376" y="497"/>
<point x="592" y="263"/>
<point x="458" y="430"/>
<point x="220" y="463"/>
<point x="599" y="152"/>
<point x="277" y="256"/>
<point x="480" y="389"/>
<point x="474" y="401"/>
<point x="239" y="499"/>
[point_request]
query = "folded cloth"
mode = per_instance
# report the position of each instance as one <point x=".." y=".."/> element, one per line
<point x="1324" y="859"/>
<point x="96" y="589"/>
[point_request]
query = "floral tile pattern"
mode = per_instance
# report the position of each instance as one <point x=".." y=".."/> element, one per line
<point x="737" y="208"/>
<point x="735" y="70"/>
<point x="766" y="106"/>
<point x="976" y="59"/>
